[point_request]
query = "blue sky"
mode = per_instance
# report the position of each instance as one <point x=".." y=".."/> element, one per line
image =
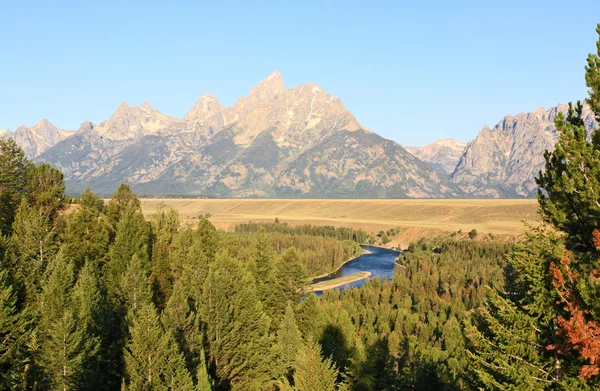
<point x="410" y="72"/>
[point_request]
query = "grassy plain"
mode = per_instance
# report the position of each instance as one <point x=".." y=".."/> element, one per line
<point x="416" y="218"/>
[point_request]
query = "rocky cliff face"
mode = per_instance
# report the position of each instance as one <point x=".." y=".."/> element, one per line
<point x="503" y="161"/>
<point x="443" y="155"/>
<point x="274" y="142"/>
<point x="38" y="138"/>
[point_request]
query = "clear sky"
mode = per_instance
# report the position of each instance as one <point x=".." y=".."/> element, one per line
<point x="412" y="71"/>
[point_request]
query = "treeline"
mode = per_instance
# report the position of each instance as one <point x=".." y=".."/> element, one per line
<point x="339" y="233"/>
<point x="318" y="254"/>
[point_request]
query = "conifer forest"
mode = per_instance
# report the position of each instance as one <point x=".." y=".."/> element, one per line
<point x="95" y="296"/>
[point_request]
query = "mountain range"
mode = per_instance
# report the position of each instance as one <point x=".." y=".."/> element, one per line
<point x="278" y="142"/>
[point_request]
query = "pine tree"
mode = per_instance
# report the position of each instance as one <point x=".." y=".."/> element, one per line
<point x="134" y="289"/>
<point x="237" y="329"/>
<point x="66" y="345"/>
<point x="182" y="322"/>
<point x="571" y="181"/>
<point x="310" y="317"/>
<point x="571" y="177"/>
<point x="152" y="359"/>
<point x="164" y="227"/>
<point x="205" y="381"/>
<point x="264" y="273"/>
<point x="291" y="276"/>
<point x="122" y="200"/>
<point x="289" y="341"/>
<point x="90" y="310"/>
<point x="208" y="239"/>
<point x="46" y="190"/>
<point x="86" y="235"/>
<point x="515" y="327"/>
<point x="132" y="238"/>
<point x="312" y="373"/>
<point x="13" y="182"/>
<point x="34" y="243"/>
<point x="13" y="333"/>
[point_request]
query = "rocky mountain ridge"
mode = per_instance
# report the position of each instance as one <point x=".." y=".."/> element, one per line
<point x="298" y="142"/>
<point x="503" y="161"/>
<point x="36" y="139"/>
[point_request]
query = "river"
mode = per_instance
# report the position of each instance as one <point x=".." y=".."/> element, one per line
<point x="379" y="261"/>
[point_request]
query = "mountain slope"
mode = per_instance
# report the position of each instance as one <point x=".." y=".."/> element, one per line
<point x="274" y="142"/>
<point x="504" y="161"/>
<point x="443" y="155"/>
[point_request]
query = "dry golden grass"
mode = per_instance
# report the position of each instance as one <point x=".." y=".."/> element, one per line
<point x="416" y="218"/>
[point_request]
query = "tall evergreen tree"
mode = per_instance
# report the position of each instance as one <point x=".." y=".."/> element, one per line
<point x="312" y="373"/>
<point x="289" y="341"/>
<point x="164" y="227"/>
<point x="13" y="333"/>
<point x="518" y="324"/>
<point x="205" y="381"/>
<point x="46" y="190"/>
<point x="66" y="344"/>
<point x="86" y="236"/>
<point x="134" y="289"/>
<point x="237" y="329"/>
<point x="34" y="244"/>
<point x="132" y="238"/>
<point x="291" y="276"/>
<point x="180" y="319"/>
<point x="122" y="200"/>
<point x="13" y="182"/>
<point x="152" y="359"/>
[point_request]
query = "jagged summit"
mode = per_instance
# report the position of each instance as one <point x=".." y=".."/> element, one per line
<point x="275" y="141"/>
<point x="503" y="161"/>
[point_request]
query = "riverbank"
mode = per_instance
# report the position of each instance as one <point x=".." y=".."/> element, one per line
<point x="337" y="282"/>
<point x="342" y="265"/>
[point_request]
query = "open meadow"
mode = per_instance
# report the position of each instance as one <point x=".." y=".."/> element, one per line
<point x="416" y="218"/>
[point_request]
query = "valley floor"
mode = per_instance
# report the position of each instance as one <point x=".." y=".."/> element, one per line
<point x="416" y="218"/>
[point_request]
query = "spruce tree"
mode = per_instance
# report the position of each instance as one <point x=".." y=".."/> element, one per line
<point x="132" y="238"/>
<point x="204" y="380"/>
<point x="13" y="182"/>
<point x="164" y="227"/>
<point x="291" y="276"/>
<point x="182" y="322"/>
<point x="46" y="190"/>
<point x="122" y="199"/>
<point x="34" y="243"/>
<point x="570" y="182"/>
<point x="134" y="289"/>
<point x="264" y="273"/>
<point x="237" y="329"/>
<point x="289" y="341"/>
<point x="312" y="372"/>
<point x="89" y="307"/>
<point x="518" y="323"/>
<point x="13" y="333"/>
<point x="66" y="345"/>
<point x="86" y="236"/>
<point x="152" y="358"/>
<point x="208" y="239"/>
